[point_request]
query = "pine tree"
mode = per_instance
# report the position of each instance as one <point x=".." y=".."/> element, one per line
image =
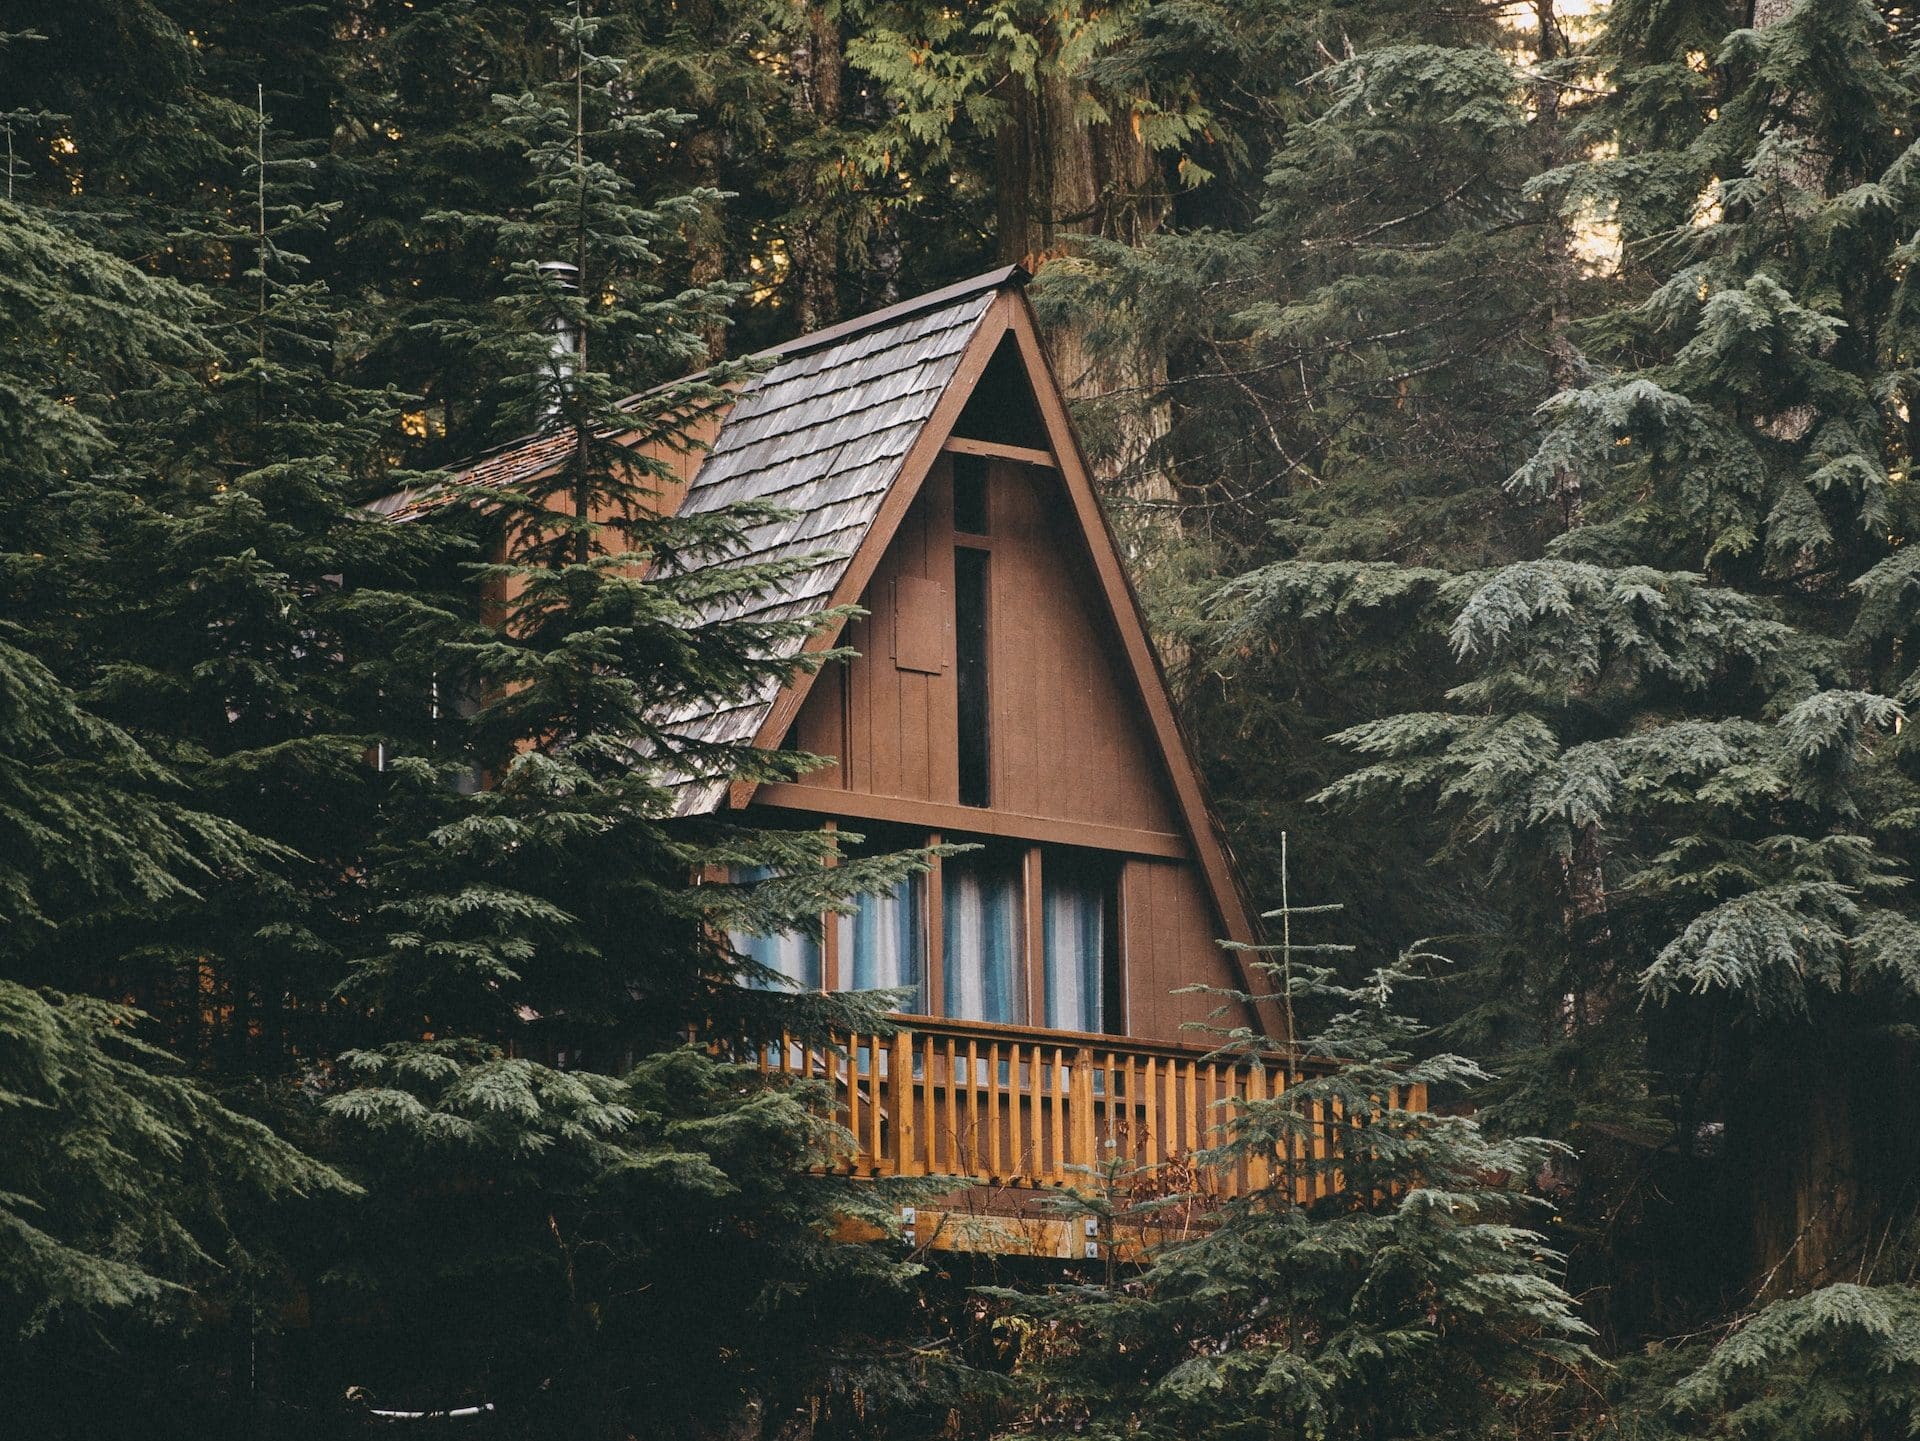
<point x="1351" y="362"/>
<point x="537" y="1126"/>
<point x="1350" y="310"/>
<point x="125" y="1183"/>
<point x="1414" y="1300"/>
<point x="1680" y="731"/>
<point x="214" y="591"/>
<point x="271" y="635"/>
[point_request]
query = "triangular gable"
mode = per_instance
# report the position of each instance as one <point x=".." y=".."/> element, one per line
<point x="1010" y="319"/>
<point x="828" y="433"/>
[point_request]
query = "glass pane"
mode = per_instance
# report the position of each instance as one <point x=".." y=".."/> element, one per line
<point x="980" y="915"/>
<point x="882" y="945"/>
<point x="1075" y="907"/>
<point x="970" y="674"/>
<point x="970" y="494"/>
<point x="794" y="954"/>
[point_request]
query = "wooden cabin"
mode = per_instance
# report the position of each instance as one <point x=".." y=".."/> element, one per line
<point x="1005" y="693"/>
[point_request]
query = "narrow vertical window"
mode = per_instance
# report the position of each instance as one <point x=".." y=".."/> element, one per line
<point x="981" y="925"/>
<point x="970" y="673"/>
<point x="970" y="494"/>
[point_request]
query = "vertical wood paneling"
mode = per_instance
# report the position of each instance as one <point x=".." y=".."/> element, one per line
<point x="820" y="728"/>
<point x="1034" y="935"/>
<point x="1154" y="1154"/>
<point x="1017" y="1166"/>
<point x="1069" y="737"/>
<point x="902" y="1106"/>
<point x="936" y="938"/>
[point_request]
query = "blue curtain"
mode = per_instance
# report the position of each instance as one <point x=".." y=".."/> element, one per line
<point x="794" y="954"/>
<point x="882" y="945"/>
<point x="1075" y="909"/>
<point x="980" y="915"/>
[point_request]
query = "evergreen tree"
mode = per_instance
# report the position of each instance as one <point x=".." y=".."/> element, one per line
<point x="1414" y="1300"/>
<point x="602" y="1225"/>
<point x="124" y="1182"/>
<point x="1838" y="1362"/>
<point x="1353" y="314"/>
<point x="1679" y="735"/>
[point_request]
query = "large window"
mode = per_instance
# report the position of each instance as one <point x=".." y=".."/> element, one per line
<point x="883" y="946"/>
<point x="984" y="971"/>
<point x="794" y="956"/>
<point x="1081" y="977"/>
<point x="1065" y="975"/>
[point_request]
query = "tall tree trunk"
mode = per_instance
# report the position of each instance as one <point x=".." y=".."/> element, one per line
<point x="814" y="243"/>
<point x="1800" y="1108"/>
<point x="1797" y="1127"/>
<point x="1563" y="360"/>
<point x="1062" y="178"/>
<point x="707" y="239"/>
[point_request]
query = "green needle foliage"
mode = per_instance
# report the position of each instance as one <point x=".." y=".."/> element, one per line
<point x="125" y="1181"/>
<point x="1513" y="418"/>
<point x="1419" y="1300"/>
<point x="545" y="1120"/>
<point x="1840" y="1362"/>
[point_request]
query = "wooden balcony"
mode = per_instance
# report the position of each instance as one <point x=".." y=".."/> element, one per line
<point x="1021" y="1112"/>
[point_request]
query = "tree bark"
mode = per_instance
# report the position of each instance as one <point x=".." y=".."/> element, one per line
<point x="1563" y="360"/>
<point x="1802" y="1108"/>
<point x="1062" y="178"/>
<point x="707" y="242"/>
<point x="814" y="244"/>
<point x="1797" y="1124"/>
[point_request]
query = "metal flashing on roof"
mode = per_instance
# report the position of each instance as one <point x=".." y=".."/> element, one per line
<point x="992" y="280"/>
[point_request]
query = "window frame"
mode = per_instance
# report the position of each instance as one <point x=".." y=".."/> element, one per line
<point x="1030" y="863"/>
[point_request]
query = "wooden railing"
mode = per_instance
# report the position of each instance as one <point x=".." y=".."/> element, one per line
<point x="1037" y="1109"/>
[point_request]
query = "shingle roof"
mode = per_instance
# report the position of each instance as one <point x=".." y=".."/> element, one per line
<point x="822" y="433"/>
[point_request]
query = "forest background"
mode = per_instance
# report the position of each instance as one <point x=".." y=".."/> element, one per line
<point x="1507" y="410"/>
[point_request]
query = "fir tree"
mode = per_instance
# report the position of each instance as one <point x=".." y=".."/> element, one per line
<point x="1679" y="734"/>
<point x="636" y="1207"/>
<point x="1353" y="318"/>
<point x="1414" y="1300"/>
<point x="1839" y="1362"/>
<point x="125" y="1181"/>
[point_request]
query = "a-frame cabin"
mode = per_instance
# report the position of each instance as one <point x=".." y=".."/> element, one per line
<point x="1005" y="693"/>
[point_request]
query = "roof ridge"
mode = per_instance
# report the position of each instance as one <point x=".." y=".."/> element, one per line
<point x="394" y="502"/>
<point x="900" y="310"/>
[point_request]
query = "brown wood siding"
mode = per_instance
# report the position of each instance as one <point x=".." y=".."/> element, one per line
<point x="1169" y="941"/>
<point x="1068" y="741"/>
<point x="894" y="728"/>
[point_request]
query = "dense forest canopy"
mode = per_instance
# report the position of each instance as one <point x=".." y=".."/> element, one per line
<point x="1506" y="407"/>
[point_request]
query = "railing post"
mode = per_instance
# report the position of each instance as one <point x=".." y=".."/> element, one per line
<point x="1257" y="1156"/>
<point x="906" y="1135"/>
<point x="1082" y="1116"/>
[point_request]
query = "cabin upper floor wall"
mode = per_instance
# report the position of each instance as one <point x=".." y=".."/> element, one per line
<point x="1062" y="738"/>
<point x="1005" y="715"/>
<point x="1000" y="687"/>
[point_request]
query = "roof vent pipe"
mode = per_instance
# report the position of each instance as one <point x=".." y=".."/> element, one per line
<point x="568" y="339"/>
